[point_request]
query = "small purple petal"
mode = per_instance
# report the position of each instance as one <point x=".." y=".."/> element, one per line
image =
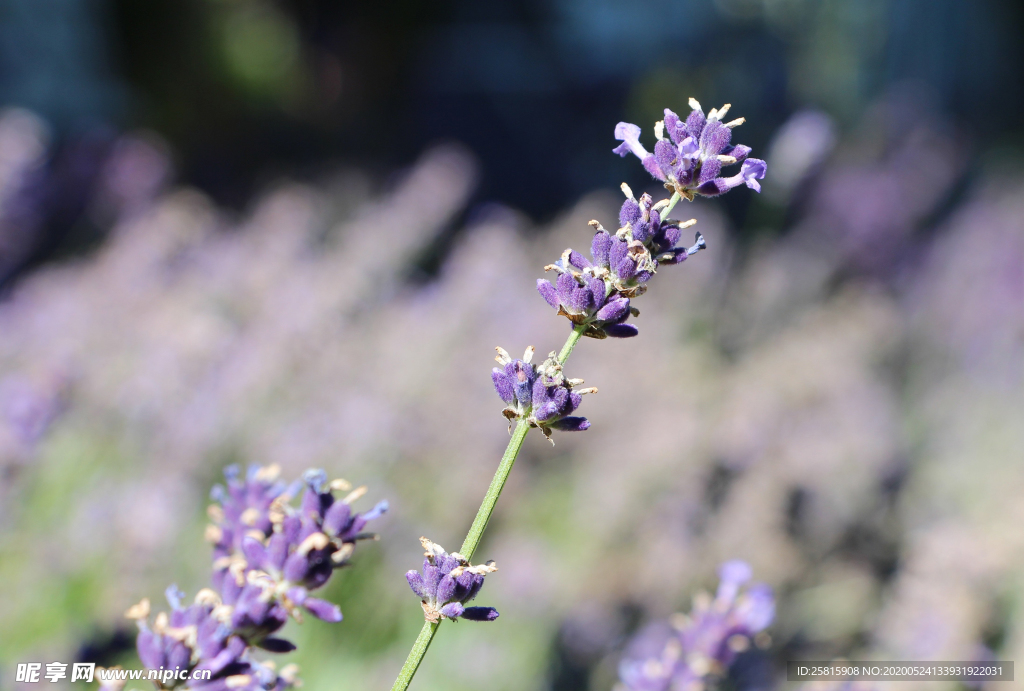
<point x="417" y="584"/>
<point x="614" y="309"/>
<point x="735" y="571"/>
<point x="254" y="552"/>
<point x="621" y="330"/>
<point x="150" y="648"/>
<point x="291" y="528"/>
<point x="641" y="231"/>
<point x="446" y="588"/>
<point x="234" y="649"/>
<point x="672" y="235"/>
<point x="565" y="285"/>
<point x="574" y="401"/>
<point x="478" y="583"/>
<point x="480" y="614"/>
<point x="431" y="577"/>
<point x="625" y="268"/>
<point x="629" y="213"/>
<point x="453" y="610"/>
<point x="548" y="292"/>
<point x="174" y="596"/>
<point x="571" y="424"/>
<point x="277" y="551"/>
<point x="675" y="256"/>
<point x="695" y="124"/>
<point x="337" y="516"/>
<point x="540" y="392"/>
<point x="709" y="170"/>
<point x="322" y="609"/>
<point x="757" y="609"/>
<point x="739" y="152"/>
<point x="714" y="138"/>
<point x="666" y="154"/>
<point x="560" y="397"/>
<point x="753" y="169"/>
<point x="652" y="167"/>
<point x="378" y="510"/>
<point x="523" y="382"/>
<point x="597" y="291"/>
<point x="545" y="411"/>
<point x="310" y="503"/>
<point x="713" y="188"/>
<point x="296" y="567"/>
<point x="578" y="260"/>
<point x="178" y="656"/>
<point x="503" y="385"/>
<point x="276" y="645"/>
<point x="600" y="247"/>
<point x="580" y="300"/>
<point x="629" y="135"/>
<point x="674" y="126"/>
<point x="619" y="251"/>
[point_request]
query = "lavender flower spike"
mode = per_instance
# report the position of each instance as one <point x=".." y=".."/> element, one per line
<point x="447" y="583"/>
<point x="690" y="159"/>
<point x="539" y="394"/>
<point x="705" y="643"/>
<point x="596" y="293"/>
<point x="268" y="556"/>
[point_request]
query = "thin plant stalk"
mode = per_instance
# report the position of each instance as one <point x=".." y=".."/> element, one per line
<point x="671" y="205"/>
<point x="476" y="531"/>
<point x="419" y="649"/>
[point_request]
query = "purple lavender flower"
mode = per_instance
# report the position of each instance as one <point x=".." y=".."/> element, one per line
<point x="286" y="552"/>
<point x="447" y="583"/>
<point x="539" y="394"/>
<point x="706" y="642"/>
<point x="596" y="292"/>
<point x="191" y="637"/>
<point x="268" y="556"/>
<point x="243" y="508"/>
<point x="689" y="161"/>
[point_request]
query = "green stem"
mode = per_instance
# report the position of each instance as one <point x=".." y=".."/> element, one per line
<point x="476" y="531"/>
<point x="419" y="649"/>
<point x="483" y="515"/>
<point x="570" y="343"/>
<point x="671" y="205"/>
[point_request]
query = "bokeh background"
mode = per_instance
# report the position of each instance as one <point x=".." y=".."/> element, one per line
<point x="248" y="231"/>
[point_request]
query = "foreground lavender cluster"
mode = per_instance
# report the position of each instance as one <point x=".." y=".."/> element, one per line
<point x="268" y="556"/>
<point x="447" y="582"/>
<point x="702" y="645"/>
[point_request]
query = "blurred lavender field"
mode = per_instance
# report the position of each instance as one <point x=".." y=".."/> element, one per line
<point x="839" y="404"/>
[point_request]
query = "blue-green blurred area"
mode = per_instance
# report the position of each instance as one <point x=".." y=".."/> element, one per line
<point x="247" y="90"/>
<point x="245" y="231"/>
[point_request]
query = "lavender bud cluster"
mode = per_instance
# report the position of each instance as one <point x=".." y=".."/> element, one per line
<point x="447" y="582"/>
<point x="689" y="161"/>
<point x="539" y="394"/>
<point x="268" y="556"/>
<point x="704" y="644"/>
<point x="594" y="293"/>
